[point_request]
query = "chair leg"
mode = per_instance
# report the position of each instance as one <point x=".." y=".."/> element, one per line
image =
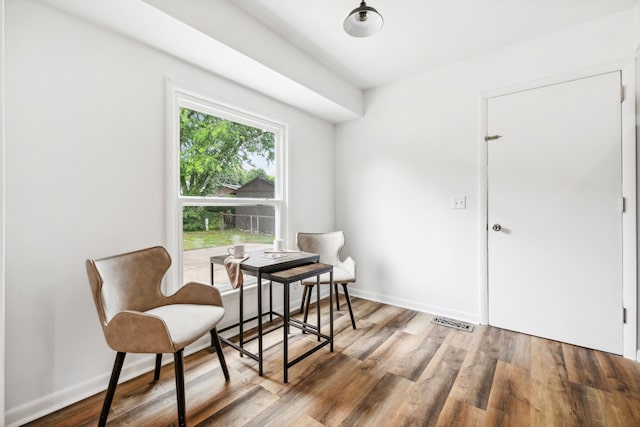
<point x="216" y="343"/>
<point x="335" y="288"/>
<point x="309" y="291"/>
<point x="179" y="368"/>
<point x="156" y="374"/>
<point x="304" y="296"/>
<point x="113" y="382"/>
<point x="346" y="295"/>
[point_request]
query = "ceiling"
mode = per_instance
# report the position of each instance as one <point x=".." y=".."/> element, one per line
<point x="296" y="51"/>
<point x="418" y="35"/>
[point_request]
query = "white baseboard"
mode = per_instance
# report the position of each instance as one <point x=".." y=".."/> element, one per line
<point x="417" y="306"/>
<point x="638" y="356"/>
<point x="48" y="404"/>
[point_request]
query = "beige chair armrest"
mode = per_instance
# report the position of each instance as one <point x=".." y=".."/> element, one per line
<point x="196" y="293"/>
<point x="137" y="332"/>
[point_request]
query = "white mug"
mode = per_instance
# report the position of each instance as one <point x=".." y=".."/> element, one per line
<point x="236" y="250"/>
<point x="277" y="245"/>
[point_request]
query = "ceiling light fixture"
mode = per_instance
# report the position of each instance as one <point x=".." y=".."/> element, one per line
<point x="363" y="21"/>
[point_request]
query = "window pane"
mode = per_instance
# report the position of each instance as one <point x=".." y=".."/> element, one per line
<point x="210" y="230"/>
<point x="223" y="158"/>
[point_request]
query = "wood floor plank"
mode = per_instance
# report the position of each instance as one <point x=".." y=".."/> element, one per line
<point x="415" y="360"/>
<point x="381" y="314"/>
<point x="591" y="406"/>
<point x="418" y="324"/>
<point x="491" y="341"/>
<point x="301" y="399"/>
<point x="509" y="404"/>
<point x="552" y="402"/>
<point x="583" y="367"/>
<point x="460" y="339"/>
<point x="515" y="349"/>
<point x="363" y="308"/>
<point x="396" y="368"/>
<point x="243" y="410"/>
<point x="398" y="320"/>
<point x="474" y="380"/>
<point x="433" y="387"/>
<point x="307" y="421"/>
<point x="622" y="375"/>
<point x="621" y="409"/>
<point x="368" y="343"/>
<point x="332" y="411"/>
<point x="335" y="402"/>
<point x="459" y="414"/>
<point x="380" y="405"/>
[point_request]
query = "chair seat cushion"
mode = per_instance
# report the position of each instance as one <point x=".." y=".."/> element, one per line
<point x="188" y="322"/>
<point x="340" y="275"/>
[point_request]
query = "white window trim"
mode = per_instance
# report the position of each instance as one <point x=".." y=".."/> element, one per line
<point x="178" y="97"/>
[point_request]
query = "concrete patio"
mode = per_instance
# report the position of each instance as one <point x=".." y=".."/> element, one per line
<point x="196" y="265"/>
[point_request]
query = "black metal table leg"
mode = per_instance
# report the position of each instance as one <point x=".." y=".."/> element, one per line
<point x="330" y="312"/>
<point x="286" y="333"/>
<point x="318" y="303"/>
<point x="260" y="324"/>
<point x="241" y="319"/>
<point x="270" y="302"/>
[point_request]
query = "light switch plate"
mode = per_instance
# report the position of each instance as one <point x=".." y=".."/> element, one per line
<point x="459" y="202"/>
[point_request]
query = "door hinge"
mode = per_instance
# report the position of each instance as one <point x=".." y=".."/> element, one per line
<point x="623" y="204"/>
<point x="621" y="93"/>
<point x="492" y="137"/>
<point x="624" y="315"/>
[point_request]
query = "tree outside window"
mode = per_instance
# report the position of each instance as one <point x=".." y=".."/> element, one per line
<point x="227" y="189"/>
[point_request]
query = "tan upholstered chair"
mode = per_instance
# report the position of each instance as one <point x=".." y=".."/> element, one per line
<point x="328" y="246"/>
<point x="136" y="317"/>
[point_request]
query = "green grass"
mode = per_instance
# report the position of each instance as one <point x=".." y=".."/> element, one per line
<point x="208" y="239"/>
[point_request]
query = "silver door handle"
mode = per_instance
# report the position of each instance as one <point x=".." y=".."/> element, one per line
<point x="496" y="227"/>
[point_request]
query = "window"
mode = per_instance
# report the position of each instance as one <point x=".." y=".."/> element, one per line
<point x="227" y="182"/>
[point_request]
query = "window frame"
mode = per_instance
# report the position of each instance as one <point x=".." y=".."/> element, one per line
<point x="179" y="98"/>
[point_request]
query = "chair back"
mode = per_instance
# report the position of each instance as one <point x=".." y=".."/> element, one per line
<point x="130" y="281"/>
<point x="327" y="245"/>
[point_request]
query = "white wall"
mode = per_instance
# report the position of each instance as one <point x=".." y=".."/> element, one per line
<point x="85" y="176"/>
<point x="637" y="62"/>
<point x="418" y="145"/>
<point x="2" y="228"/>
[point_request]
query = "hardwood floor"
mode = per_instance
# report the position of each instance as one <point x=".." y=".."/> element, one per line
<point x="396" y="369"/>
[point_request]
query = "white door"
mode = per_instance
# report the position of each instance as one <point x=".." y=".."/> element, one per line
<point x="555" y="198"/>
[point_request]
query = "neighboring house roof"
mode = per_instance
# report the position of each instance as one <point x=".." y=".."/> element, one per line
<point x="230" y="186"/>
<point x="226" y="189"/>
<point x="257" y="187"/>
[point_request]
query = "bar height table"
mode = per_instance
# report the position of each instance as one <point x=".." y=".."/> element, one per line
<point x="257" y="264"/>
<point x="292" y="275"/>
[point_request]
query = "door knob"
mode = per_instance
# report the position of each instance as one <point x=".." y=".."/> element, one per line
<point x="496" y="227"/>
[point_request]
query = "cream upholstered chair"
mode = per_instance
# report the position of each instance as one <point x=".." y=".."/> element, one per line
<point x="328" y="246"/>
<point x="136" y="317"/>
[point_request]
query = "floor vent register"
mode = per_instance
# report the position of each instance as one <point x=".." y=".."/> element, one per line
<point x="443" y="321"/>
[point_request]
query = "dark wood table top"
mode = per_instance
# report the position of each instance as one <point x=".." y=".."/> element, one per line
<point x="264" y="262"/>
<point x="298" y="273"/>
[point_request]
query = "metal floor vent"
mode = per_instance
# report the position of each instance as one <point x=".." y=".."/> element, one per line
<point x="443" y="321"/>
